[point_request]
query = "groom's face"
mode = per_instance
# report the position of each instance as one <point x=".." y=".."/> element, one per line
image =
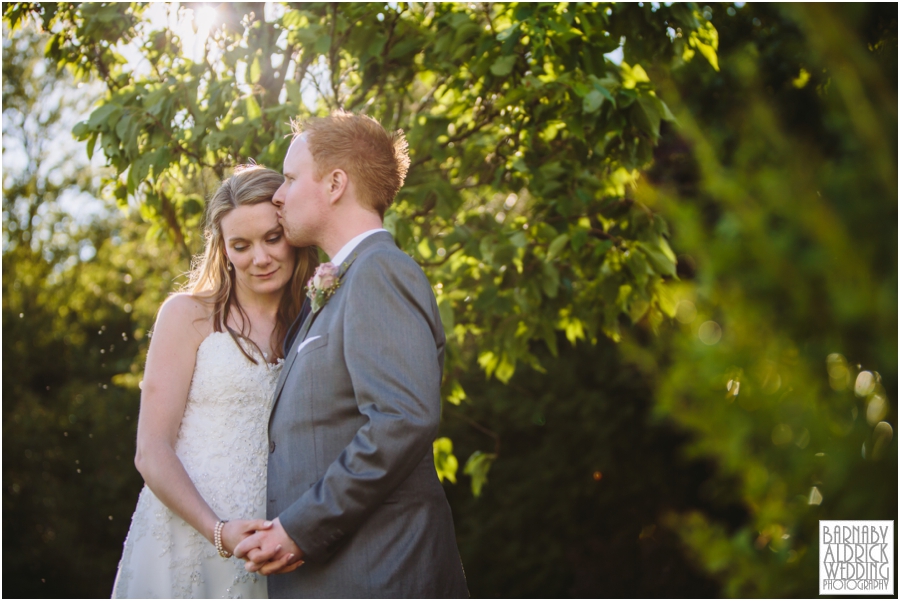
<point x="301" y="201"/>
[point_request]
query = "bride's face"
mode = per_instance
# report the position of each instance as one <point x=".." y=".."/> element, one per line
<point x="255" y="244"/>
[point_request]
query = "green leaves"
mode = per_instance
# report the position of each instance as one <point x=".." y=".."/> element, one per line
<point x="556" y="246"/>
<point x="592" y="101"/>
<point x="445" y="461"/>
<point x="445" y="306"/>
<point x="503" y="65"/>
<point x="706" y="40"/>
<point x="660" y="255"/>
<point x="477" y="467"/>
<point x="633" y="76"/>
<point x="550" y="280"/>
<point x="525" y="146"/>
<point x="104" y="117"/>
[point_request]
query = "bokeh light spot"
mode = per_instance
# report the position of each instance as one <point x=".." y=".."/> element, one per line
<point x="876" y="409"/>
<point x="782" y="434"/>
<point x="710" y="333"/>
<point x="815" y="497"/>
<point x="838" y="374"/>
<point x="734" y="388"/>
<point x="865" y="383"/>
<point x="802" y="440"/>
<point x="882" y="436"/>
<point x="685" y="311"/>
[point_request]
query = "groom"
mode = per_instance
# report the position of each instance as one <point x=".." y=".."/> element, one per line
<point x="352" y="489"/>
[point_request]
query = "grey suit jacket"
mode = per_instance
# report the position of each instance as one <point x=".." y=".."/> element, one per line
<point x="351" y="472"/>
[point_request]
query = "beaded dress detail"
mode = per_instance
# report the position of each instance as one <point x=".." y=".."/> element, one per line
<point x="223" y="445"/>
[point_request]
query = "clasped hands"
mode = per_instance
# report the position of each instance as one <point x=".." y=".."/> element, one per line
<point x="264" y="545"/>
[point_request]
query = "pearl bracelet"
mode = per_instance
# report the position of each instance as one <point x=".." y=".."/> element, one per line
<point x="217" y="538"/>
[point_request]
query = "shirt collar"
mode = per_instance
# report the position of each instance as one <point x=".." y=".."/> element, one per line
<point x="345" y="251"/>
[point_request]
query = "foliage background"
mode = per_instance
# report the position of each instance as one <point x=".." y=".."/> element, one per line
<point x="634" y="424"/>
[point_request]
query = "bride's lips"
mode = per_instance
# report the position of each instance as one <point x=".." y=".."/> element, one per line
<point x="265" y="276"/>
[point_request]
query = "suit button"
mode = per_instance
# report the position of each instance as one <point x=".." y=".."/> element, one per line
<point x="272" y="446"/>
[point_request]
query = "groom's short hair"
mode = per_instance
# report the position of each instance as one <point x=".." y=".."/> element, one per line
<point x="376" y="161"/>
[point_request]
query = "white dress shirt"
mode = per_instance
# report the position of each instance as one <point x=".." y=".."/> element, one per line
<point x="345" y="251"/>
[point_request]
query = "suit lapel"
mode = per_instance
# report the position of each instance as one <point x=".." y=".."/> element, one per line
<point x="292" y="331"/>
<point x="291" y="356"/>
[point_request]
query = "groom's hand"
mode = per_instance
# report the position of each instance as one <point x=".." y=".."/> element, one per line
<point x="270" y="551"/>
<point x="235" y="531"/>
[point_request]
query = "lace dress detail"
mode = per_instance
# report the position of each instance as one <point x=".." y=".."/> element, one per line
<point x="223" y="445"/>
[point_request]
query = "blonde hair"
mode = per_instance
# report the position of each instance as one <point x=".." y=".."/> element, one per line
<point x="375" y="160"/>
<point x="210" y="277"/>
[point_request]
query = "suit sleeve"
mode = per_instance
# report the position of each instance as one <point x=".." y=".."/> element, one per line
<point x="393" y="342"/>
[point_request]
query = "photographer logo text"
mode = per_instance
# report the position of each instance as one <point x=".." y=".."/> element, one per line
<point x="856" y="557"/>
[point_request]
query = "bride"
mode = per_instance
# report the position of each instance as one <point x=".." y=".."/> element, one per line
<point x="211" y="370"/>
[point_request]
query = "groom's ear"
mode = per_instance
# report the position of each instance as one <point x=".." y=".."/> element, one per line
<point x="337" y="185"/>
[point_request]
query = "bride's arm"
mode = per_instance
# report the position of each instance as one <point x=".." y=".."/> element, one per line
<point x="181" y="326"/>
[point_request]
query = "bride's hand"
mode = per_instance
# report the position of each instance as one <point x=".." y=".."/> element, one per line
<point x="234" y="531"/>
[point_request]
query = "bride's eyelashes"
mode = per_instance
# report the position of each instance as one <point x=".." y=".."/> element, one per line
<point x="270" y="240"/>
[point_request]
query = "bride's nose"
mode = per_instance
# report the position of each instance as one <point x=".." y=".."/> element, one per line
<point x="262" y="257"/>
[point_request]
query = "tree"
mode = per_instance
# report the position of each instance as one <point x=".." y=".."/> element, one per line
<point x="524" y="141"/>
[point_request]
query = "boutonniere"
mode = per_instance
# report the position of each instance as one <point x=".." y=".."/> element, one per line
<point x="323" y="285"/>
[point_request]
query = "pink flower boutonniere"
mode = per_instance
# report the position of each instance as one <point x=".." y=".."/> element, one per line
<point x="323" y="285"/>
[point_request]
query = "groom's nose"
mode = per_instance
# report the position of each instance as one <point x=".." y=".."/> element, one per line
<point x="278" y="198"/>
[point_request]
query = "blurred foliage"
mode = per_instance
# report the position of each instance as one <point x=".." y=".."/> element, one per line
<point x="780" y="188"/>
<point x="77" y="300"/>
<point x="576" y="503"/>
<point x="549" y="188"/>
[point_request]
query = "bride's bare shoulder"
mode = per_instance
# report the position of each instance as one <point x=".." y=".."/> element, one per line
<point x="185" y="313"/>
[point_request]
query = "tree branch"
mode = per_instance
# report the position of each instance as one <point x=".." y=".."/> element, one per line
<point x="171" y="218"/>
<point x="446" y="258"/>
<point x="479" y="427"/>
<point x="332" y="56"/>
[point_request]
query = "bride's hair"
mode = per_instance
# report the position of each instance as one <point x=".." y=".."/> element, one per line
<point x="210" y="278"/>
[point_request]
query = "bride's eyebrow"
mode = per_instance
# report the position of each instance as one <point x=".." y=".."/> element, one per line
<point x="275" y="230"/>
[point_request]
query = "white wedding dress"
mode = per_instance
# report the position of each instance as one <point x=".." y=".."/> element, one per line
<point x="223" y="445"/>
